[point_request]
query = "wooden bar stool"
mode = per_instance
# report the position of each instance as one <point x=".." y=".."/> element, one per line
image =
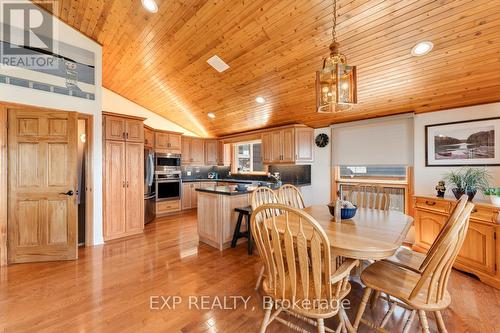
<point x="243" y="211"/>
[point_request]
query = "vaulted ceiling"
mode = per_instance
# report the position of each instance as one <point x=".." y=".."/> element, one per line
<point x="274" y="48"/>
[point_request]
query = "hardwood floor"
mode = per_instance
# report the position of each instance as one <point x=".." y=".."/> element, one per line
<point x="109" y="288"/>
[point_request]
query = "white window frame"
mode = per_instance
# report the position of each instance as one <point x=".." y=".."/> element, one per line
<point x="237" y="155"/>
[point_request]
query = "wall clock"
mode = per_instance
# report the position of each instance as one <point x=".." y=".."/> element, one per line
<point x="322" y="140"/>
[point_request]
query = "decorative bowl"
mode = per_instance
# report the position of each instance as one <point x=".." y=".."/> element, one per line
<point x="345" y="213"/>
<point x="241" y="187"/>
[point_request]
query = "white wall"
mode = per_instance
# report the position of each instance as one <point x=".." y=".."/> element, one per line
<point x="112" y="102"/>
<point x="427" y="177"/>
<point x="319" y="191"/>
<point x="14" y="94"/>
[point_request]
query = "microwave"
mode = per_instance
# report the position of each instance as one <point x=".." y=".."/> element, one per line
<point x="164" y="162"/>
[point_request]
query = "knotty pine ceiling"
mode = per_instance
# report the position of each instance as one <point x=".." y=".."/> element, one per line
<point x="274" y="48"/>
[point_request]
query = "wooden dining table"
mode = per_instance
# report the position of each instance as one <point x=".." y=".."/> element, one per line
<point x="370" y="234"/>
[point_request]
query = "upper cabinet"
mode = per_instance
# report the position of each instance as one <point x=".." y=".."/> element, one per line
<point x="211" y="152"/>
<point x="149" y="137"/>
<point x="168" y="142"/>
<point x="288" y="145"/>
<point x="192" y="150"/>
<point x="123" y="128"/>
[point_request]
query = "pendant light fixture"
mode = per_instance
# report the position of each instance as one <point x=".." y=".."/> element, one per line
<point x="336" y="81"/>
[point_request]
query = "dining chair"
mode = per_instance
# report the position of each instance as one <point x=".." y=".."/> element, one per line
<point x="413" y="260"/>
<point x="299" y="281"/>
<point x="261" y="196"/>
<point x="369" y="196"/>
<point x="419" y="292"/>
<point x="290" y="195"/>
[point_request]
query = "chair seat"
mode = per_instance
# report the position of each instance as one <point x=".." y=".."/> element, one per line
<point x="407" y="258"/>
<point x="328" y="310"/>
<point x="244" y="210"/>
<point x="399" y="282"/>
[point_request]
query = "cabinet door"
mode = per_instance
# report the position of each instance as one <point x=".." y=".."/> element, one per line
<point x="161" y="140"/>
<point x="114" y="190"/>
<point x="174" y="141"/>
<point x="194" y="194"/>
<point x="134" y="131"/>
<point x="267" y="148"/>
<point x="478" y="250"/>
<point x="427" y="227"/>
<point x="135" y="187"/>
<point x="304" y="144"/>
<point x="186" y="195"/>
<point x="276" y="146"/>
<point x="287" y="145"/>
<point x="211" y="152"/>
<point x="197" y="151"/>
<point x="114" y="127"/>
<point x="186" y="150"/>
<point x="149" y="138"/>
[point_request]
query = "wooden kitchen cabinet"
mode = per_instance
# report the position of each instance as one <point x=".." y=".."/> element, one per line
<point x="123" y="176"/>
<point x="189" y="197"/>
<point x="149" y="137"/>
<point x="193" y="150"/>
<point x="288" y="145"/>
<point x="168" y="142"/>
<point x="211" y="152"/>
<point x="480" y="252"/>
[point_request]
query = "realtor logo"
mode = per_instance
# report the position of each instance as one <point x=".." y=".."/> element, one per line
<point x="28" y="34"/>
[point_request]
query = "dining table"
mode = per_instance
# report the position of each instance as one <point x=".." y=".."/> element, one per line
<point x="372" y="234"/>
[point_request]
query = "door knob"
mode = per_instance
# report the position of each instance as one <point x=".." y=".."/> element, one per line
<point x="69" y="193"/>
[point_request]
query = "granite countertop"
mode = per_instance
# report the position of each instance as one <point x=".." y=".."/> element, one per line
<point x="241" y="181"/>
<point x="226" y="190"/>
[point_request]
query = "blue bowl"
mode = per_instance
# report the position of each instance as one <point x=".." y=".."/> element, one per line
<point x="348" y="213"/>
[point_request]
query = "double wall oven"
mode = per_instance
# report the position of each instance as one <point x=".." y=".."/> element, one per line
<point x="168" y="177"/>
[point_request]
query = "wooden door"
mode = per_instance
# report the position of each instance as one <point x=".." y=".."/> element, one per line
<point x="267" y="148"/>
<point x="174" y="141"/>
<point x="194" y="194"/>
<point x="115" y="128"/>
<point x="134" y="131"/>
<point x="304" y="144"/>
<point x="186" y="150"/>
<point x="134" y="187"/>
<point x="211" y="151"/>
<point x="186" y="195"/>
<point x="42" y="181"/>
<point x="149" y="138"/>
<point x="197" y="151"/>
<point x="115" y="190"/>
<point x="276" y="147"/>
<point x="287" y="145"/>
<point x="478" y="250"/>
<point x="220" y="152"/>
<point x="161" y="141"/>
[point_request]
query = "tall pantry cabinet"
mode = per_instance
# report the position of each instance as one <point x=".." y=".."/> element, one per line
<point x="123" y="186"/>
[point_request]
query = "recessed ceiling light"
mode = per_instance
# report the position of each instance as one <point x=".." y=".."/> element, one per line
<point x="211" y="115"/>
<point x="260" y="100"/>
<point x="150" y="5"/>
<point x="217" y="63"/>
<point x="422" y="48"/>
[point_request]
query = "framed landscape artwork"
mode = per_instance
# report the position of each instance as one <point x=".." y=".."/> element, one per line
<point x="463" y="143"/>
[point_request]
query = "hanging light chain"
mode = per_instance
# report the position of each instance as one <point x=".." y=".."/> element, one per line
<point x="334" y="33"/>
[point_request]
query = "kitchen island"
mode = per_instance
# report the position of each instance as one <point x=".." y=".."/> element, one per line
<point x="216" y="215"/>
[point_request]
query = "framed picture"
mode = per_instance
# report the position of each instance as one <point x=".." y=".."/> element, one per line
<point x="463" y="143"/>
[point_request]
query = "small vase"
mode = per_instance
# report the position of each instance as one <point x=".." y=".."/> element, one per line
<point x="459" y="192"/>
<point x="495" y="200"/>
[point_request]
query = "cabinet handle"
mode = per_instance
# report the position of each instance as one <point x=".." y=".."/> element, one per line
<point x="430" y="203"/>
<point x="123" y="135"/>
<point x="127" y="183"/>
<point x="146" y="141"/>
<point x="123" y="184"/>
<point x="474" y="211"/>
<point x="127" y="136"/>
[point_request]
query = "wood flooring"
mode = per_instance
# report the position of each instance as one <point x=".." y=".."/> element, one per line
<point x="109" y="289"/>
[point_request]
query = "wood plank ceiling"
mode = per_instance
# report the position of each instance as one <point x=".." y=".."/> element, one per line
<point x="274" y="48"/>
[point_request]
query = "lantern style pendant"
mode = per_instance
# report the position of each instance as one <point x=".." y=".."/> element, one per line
<point x="336" y="81"/>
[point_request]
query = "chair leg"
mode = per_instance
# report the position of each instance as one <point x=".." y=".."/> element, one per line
<point x="423" y="321"/>
<point x="440" y="322"/>
<point x="407" y="327"/>
<point x="249" y="231"/>
<point x="236" y="233"/>
<point x="259" y="279"/>
<point x="374" y="300"/>
<point x="265" y="321"/>
<point x="321" y="325"/>
<point x="362" y="306"/>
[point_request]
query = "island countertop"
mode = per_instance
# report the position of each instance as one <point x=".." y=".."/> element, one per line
<point x="226" y="190"/>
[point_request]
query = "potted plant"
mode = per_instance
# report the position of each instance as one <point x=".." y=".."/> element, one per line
<point x="494" y="194"/>
<point x="468" y="181"/>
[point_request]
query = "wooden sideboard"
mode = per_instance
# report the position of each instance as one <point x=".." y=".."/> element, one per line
<point x="480" y="253"/>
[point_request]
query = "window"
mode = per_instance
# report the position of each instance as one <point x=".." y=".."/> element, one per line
<point x="248" y="157"/>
